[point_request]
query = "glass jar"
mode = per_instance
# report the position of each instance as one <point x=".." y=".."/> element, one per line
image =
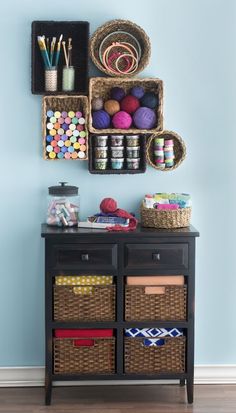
<point x="63" y="205"/>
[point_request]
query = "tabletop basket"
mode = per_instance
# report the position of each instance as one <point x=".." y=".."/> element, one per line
<point x="154" y="218"/>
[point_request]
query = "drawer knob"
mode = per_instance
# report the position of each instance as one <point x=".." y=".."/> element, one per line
<point x="84" y="257"/>
<point x="156" y="256"/>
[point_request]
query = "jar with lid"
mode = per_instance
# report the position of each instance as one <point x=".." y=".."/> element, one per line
<point x="63" y="205"/>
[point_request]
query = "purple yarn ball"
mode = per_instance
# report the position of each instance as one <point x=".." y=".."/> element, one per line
<point x="122" y="120"/>
<point x="144" y="118"/>
<point x="117" y="93"/>
<point x="137" y="91"/>
<point x="101" y="119"/>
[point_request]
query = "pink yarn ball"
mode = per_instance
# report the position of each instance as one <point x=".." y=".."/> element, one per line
<point x="122" y="120"/>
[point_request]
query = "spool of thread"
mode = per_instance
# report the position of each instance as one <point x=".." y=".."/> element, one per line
<point x="159" y="141"/>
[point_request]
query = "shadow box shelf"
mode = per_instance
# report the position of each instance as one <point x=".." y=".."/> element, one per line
<point x="110" y="157"/>
<point x="79" y="32"/>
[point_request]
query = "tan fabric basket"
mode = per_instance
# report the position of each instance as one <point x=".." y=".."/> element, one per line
<point x="179" y="149"/>
<point x="170" y="304"/>
<point x="98" y="306"/>
<point x="122" y="26"/>
<point x="101" y="86"/>
<point x="154" y="218"/>
<point x="168" y="358"/>
<point x="96" y="359"/>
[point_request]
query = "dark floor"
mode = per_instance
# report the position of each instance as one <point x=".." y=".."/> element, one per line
<point x="120" y="399"/>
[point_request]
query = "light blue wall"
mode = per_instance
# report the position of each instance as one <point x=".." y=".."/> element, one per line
<point x="193" y="51"/>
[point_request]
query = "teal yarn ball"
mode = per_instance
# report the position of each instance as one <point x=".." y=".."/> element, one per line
<point x="149" y="100"/>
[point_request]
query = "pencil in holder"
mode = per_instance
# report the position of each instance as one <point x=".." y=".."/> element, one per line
<point x="68" y="78"/>
<point x="51" y="79"/>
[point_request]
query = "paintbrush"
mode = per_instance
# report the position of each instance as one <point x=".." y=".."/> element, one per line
<point x="43" y="50"/>
<point x="58" y="49"/>
<point x="53" y="43"/>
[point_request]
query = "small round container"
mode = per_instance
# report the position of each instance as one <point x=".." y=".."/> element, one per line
<point x="133" y="163"/>
<point x="63" y="205"/>
<point x="117" y="151"/>
<point x="117" y="140"/>
<point x="132" y="140"/>
<point x="117" y="163"/>
<point x="101" y="140"/>
<point x="101" y="152"/>
<point x="101" y="164"/>
<point x="133" y="151"/>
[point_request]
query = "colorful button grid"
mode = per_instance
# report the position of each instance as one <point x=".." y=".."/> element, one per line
<point x="66" y="135"/>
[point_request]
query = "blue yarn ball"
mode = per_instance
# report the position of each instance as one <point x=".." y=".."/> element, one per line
<point x="137" y="91"/>
<point x="144" y="118"/>
<point x="101" y="119"/>
<point x="117" y="93"/>
<point x="149" y="100"/>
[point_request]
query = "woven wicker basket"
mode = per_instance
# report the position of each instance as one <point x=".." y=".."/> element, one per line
<point x="101" y="86"/>
<point x="171" y="305"/>
<point x="168" y="358"/>
<point x="154" y="218"/>
<point x="179" y="149"/>
<point x="98" y="359"/>
<point x="64" y="103"/>
<point x="98" y="306"/>
<point x="98" y="41"/>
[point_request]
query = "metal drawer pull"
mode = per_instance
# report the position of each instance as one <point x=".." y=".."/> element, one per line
<point x="84" y="257"/>
<point x="156" y="256"/>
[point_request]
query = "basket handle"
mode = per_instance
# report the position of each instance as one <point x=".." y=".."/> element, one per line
<point x="83" y="342"/>
<point x="155" y="290"/>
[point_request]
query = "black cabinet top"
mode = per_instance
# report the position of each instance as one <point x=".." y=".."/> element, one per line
<point x="47" y="232"/>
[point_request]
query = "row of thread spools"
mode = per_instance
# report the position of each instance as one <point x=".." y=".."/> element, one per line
<point x="164" y="153"/>
<point x="117" y="152"/>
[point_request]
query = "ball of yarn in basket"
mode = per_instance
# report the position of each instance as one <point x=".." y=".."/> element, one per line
<point x="117" y="93"/>
<point x="129" y="104"/>
<point x="137" y="91"/>
<point x="101" y="119"/>
<point x="149" y="100"/>
<point x="144" y="118"/>
<point x="97" y="103"/>
<point x="111" y="106"/>
<point x="122" y="120"/>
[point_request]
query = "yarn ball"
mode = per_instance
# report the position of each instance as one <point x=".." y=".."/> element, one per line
<point x="144" y="118"/>
<point x="117" y="93"/>
<point x="108" y="205"/>
<point x="112" y="106"/>
<point x="149" y="100"/>
<point x="129" y="104"/>
<point x="122" y="120"/>
<point x="101" y="119"/>
<point x="97" y="103"/>
<point x="137" y="91"/>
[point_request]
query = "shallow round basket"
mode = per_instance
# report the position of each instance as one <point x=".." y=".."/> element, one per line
<point x="120" y="31"/>
<point x="179" y="149"/>
<point x="154" y="218"/>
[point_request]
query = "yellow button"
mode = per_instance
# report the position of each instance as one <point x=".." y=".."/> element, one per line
<point x="67" y="143"/>
<point x="52" y="132"/>
<point x="71" y="114"/>
<point x="52" y="155"/>
<point x="76" y="145"/>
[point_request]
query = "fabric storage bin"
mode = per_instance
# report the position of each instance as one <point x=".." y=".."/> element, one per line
<point x="166" y="357"/>
<point x="85" y="298"/>
<point x="162" y="302"/>
<point x="84" y="355"/>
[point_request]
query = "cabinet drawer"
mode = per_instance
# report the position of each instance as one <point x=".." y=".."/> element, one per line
<point x="156" y="256"/>
<point x="84" y="257"/>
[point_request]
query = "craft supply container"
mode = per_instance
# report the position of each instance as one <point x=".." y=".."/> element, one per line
<point x="63" y="205"/>
<point x="68" y="79"/>
<point x="132" y="140"/>
<point x="133" y="151"/>
<point x="117" y="163"/>
<point x="101" y="140"/>
<point x="100" y="164"/>
<point x="133" y="163"/>
<point x="117" y="140"/>
<point x="101" y="152"/>
<point x="117" y="151"/>
<point x="51" y="79"/>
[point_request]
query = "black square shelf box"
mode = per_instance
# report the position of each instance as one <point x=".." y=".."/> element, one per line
<point x="79" y="32"/>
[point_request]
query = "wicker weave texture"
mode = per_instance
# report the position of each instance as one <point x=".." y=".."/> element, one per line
<point x="169" y="358"/>
<point x="140" y="306"/>
<point x="101" y="87"/>
<point x="70" y="359"/>
<point x="154" y="218"/>
<point x="179" y="149"/>
<point x="121" y="26"/>
<point x="98" y="306"/>
<point x="64" y="103"/>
